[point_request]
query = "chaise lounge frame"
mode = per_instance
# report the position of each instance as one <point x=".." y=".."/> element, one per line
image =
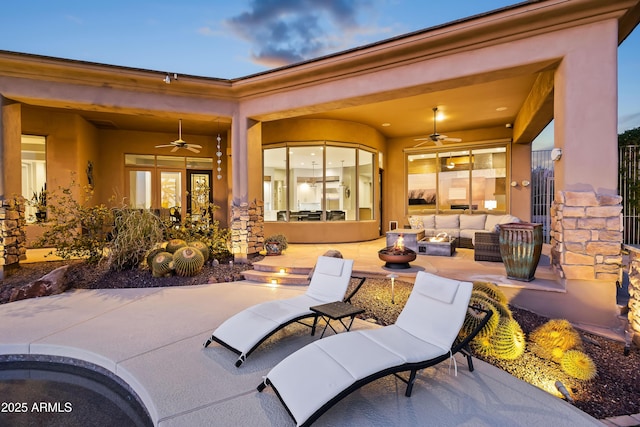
<point x="299" y="319"/>
<point x="459" y="345"/>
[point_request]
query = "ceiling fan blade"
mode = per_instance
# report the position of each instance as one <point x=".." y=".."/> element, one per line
<point x="195" y="145"/>
<point x="165" y="145"/>
<point x="438" y="142"/>
<point x="424" y="141"/>
<point x="176" y="148"/>
<point x="190" y="148"/>
<point x="453" y="139"/>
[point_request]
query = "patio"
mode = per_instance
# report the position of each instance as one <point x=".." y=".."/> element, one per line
<point x="152" y="338"/>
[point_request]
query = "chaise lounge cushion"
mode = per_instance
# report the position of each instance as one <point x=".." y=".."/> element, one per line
<point x="426" y="329"/>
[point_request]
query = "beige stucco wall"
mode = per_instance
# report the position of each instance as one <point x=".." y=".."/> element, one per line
<point x="290" y="130"/>
<point x="72" y="142"/>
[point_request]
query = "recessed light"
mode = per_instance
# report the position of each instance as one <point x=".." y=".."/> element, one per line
<point x="386" y="125"/>
<point x="501" y="108"/>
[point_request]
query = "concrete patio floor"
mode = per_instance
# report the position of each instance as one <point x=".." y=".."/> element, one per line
<point x="152" y="339"/>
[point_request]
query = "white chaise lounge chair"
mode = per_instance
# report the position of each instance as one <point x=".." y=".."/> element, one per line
<point x="246" y="330"/>
<point x="314" y="378"/>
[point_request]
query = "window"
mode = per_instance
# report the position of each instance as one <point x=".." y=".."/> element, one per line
<point x="457" y="181"/>
<point x="318" y="182"/>
<point x="161" y="182"/>
<point x="34" y="171"/>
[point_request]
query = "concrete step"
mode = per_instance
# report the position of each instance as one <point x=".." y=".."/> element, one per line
<point x="269" y="268"/>
<point x="276" y="277"/>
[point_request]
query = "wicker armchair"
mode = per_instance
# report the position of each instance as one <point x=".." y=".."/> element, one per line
<point x="487" y="247"/>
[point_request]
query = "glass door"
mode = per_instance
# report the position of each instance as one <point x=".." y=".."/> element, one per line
<point x="171" y="194"/>
<point x="199" y="194"/>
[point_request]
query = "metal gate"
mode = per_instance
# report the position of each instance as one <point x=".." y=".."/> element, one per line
<point x="542" y="190"/>
<point x="629" y="189"/>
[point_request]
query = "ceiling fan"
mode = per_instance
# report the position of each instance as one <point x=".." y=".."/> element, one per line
<point x="180" y="143"/>
<point x="435" y="137"/>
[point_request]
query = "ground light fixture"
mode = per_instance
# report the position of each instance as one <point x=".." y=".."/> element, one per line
<point x="393" y="278"/>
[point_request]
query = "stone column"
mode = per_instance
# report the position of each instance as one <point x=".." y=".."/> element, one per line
<point x="586" y="236"/>
<point x="247" y="229"/>
<point x="13" y="241"/>
<point x="12" y="224"/>
<point x="634" y="293"/>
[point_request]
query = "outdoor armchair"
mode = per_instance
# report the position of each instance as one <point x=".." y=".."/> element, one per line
<point x="316" y="377"/>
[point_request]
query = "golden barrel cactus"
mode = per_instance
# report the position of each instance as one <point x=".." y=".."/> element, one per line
<point x="162" y="264"/>
<point x="188" y="261"/>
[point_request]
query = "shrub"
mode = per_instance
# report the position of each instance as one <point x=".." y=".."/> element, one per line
<point x="76" y="228"/>
<point x="280" y="239"/>
<point x="135" y="232"/>
<point x="204" y="229"/>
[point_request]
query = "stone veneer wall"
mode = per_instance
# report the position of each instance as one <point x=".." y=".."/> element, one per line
<point x="634" y="293"/>
<point x="247" y="229"/>
<point x="586" y="235"/>
<point x="13" y="241"/>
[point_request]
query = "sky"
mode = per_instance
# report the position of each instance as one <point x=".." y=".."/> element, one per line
<point x="230" y="39"/>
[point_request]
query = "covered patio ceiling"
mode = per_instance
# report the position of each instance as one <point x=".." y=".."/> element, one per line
<point x="403" y="114"/>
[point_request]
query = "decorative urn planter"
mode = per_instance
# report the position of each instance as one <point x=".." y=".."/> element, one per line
<point x="273" y="248"/>
<point x="520" y="248"/>
<point x="275" y="244"/>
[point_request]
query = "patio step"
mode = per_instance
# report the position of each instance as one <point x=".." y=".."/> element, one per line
<point x="258" y="266"/>
<point x="276" y="277"/>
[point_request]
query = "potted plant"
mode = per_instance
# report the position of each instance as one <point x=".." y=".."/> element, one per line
<point x="275" y="244"/>
<point x="39" y="201"/>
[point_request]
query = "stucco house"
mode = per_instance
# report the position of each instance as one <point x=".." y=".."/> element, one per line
<point x="334" y="148"/>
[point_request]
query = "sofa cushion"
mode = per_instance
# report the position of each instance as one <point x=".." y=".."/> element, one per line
<point x="493" y="221"/>
<point x="472" y="222"/>
<point x="415" y="222"/>
<point x="447" y="221"/>
<point x="429" y="221"/>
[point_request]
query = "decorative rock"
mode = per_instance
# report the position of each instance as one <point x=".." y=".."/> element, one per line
<point x="52" y="283"/>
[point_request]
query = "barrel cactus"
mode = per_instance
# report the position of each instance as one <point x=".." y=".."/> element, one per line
<point x="162" y="264"/>
<point x="503" y="309"/>
<point x="482" y="346"/>
<point x="553" y="339"/>
<point x="188" y="261"/>
<point x="491" y="290"/>
<point x="508" y="341"/>
<point x="474" y="317"/>
<point x="151" y="254"/>
<point x="578" y="365"/>
<point x="174" y="244"/>
<point x="202" y="247"/>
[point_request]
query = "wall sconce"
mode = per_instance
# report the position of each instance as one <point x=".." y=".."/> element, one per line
<point x="167" y="79"/>
<point x="556" y="153"/>
<point x="525" y="183"/>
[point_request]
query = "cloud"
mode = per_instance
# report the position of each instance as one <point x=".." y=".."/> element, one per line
<point x="629" y="121"/>
<point x="282" y="32"/>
